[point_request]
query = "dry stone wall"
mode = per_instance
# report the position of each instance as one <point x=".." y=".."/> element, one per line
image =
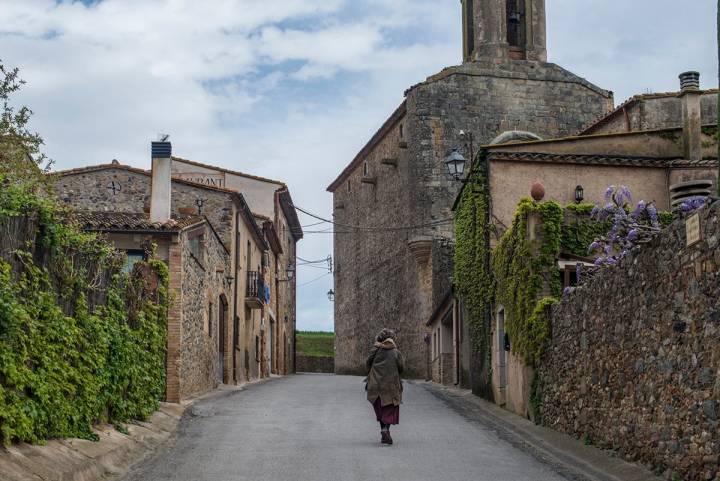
<point x="634" y="363"/>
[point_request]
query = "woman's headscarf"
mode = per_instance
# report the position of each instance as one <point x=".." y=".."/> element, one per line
<point x="385" y="334"/>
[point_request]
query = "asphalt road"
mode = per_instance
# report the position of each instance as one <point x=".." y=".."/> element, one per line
<point x="321" y="428"/>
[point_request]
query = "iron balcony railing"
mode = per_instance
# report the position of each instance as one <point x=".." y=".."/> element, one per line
<point x="255" y="286"/>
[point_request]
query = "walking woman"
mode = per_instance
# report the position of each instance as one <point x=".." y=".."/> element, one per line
<point x="384" y="387"/>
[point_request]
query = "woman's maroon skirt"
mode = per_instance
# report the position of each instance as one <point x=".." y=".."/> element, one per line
<point x="389" y="414"/>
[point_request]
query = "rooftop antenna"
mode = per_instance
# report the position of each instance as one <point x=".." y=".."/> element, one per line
<point x="163" y="137"/>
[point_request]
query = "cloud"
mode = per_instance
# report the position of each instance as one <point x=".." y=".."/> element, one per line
<point x="292" y="89"/>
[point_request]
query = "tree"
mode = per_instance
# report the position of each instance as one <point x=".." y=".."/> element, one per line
<point x="21" y="159"/>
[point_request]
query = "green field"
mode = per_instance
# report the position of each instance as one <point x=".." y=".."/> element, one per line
<point x="316" y="344"/>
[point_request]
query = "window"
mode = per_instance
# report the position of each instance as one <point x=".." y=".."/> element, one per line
<point x="196" y="243"/>
<point x="516" y="23"/>
<point x="469" y="29"/>
<point x="210" y="319"/>
<point x="365" y="169"/>
<point x="257" y="348"/>
<point x="402" y="133"/>
<point x="133" y="257"/>
<point x="348" y="186"/>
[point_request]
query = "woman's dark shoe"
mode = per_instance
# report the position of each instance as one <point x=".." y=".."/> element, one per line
<point x="386" y="439"/>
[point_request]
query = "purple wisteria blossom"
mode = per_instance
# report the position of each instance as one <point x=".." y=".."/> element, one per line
<point x="692" y="204"/>
<point x="629" y="227"/>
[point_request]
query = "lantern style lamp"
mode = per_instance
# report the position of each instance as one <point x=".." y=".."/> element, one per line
<point x="455" y="164"/>
<point x="290" y="272"/>
<point x="331" y="295"/>
<point x="579" y="194"/>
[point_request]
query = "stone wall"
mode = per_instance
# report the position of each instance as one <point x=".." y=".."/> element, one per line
<point x="634" y="364"/>
<point x="204" y="288"/>
<point x="378" y="281"/>
<point x="315" y="364"/>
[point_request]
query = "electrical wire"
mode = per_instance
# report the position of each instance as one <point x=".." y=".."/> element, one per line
<point x="315" y="280"/>
<point x="370" y="229"/>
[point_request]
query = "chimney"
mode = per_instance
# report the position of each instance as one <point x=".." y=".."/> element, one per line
<point x="690" y="95"/>
<point x="161" y="181"/>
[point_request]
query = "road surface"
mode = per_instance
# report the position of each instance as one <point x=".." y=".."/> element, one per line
<point x="321" y="428"/>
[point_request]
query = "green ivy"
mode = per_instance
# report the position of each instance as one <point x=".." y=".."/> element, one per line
<point x="522" y="268"/>
<point x="61" y="373"/>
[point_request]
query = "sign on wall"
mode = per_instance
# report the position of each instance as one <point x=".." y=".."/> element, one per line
<point x="692" y="229"/>
<point x="213" y="180"/>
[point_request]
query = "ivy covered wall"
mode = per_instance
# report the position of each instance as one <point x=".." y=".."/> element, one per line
<point x="80" y="342"/>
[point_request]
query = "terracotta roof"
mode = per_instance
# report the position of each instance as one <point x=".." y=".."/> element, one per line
<point x="593" y="159"/>
<point x="234" y="172"/>
<point x="131" y="222"/>
<point x="372" y="143"/>
<point x="631" y="101"/>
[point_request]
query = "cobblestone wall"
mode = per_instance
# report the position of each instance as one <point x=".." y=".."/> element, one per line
<point x="379" y="282"/>
<point x="634" y="363"/>
<point x="202" y="285"/>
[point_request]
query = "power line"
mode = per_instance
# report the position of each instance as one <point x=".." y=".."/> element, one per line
<point x="371" y="229"/>
<point x="315" y="280"/>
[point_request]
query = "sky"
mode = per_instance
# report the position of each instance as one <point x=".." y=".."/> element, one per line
<point x="292" y="89"/>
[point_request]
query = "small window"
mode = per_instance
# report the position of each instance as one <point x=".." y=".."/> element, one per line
<point x="196" y="247"/>
<point x="348" y="186"/>
<point x="132" y="258"/>
<point x="365" y="169"/>
<point x="402" y="133"/>
<point x="210" y="319"/>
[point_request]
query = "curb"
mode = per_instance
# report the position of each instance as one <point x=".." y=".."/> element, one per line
<point x="567" y="455"/>
<point x="113" y="455"/>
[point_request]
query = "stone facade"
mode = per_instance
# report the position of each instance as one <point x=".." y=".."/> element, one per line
<point x="315" y="364"/>
<point x="645" y="379"/>
<point x="205" y="311"/>
<point x="399" y="181"/>
<point x="119" y="188"/>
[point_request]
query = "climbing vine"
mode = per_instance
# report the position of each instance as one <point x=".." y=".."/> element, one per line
<point x="523" y="265"/>
<point x="80" y="341"/>
<point x="64" y="364"/>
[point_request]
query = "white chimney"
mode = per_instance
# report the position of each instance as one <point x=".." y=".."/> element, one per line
<point x="692" y="124"/>
<point x="161" y="182"/>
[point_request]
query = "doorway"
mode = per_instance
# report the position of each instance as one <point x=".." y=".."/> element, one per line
<point x="502" y="356"/>
<point x="222" y="336"/>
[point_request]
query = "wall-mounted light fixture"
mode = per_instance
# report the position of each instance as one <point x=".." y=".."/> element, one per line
<point x="331" y="295"/>
<point x="579" y="194"/>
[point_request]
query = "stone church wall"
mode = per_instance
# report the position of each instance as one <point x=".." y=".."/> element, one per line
<point x="634" y="363"/>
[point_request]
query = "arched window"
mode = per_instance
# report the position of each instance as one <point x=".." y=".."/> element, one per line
<point x="516" y="23"/>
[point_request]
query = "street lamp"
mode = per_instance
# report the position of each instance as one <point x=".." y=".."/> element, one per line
<point x="579" y="194"/>
<point x="331" y="295"/>
<point x="455" y="164"/>
<point x="289" y="274"/>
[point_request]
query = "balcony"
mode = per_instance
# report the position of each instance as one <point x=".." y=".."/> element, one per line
<point x="255" y="291"/>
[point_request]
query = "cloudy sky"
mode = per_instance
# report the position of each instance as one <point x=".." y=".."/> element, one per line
<point x="292" y="89"/>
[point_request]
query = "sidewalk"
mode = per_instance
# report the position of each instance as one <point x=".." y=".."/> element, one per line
<point x="567" y="455"/>
<point x="112" y="455"/>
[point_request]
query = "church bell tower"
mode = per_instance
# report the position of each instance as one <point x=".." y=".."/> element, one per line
<point x="503" y="30"/>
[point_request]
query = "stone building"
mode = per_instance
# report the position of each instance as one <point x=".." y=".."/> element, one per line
<point x="273" y="208"/>
<point x="196" y="260"/>
<point x="392" y="203"/>
<point x="660" y="165"/>
<point x="242" y="336"/>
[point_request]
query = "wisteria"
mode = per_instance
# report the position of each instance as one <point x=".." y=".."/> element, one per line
<point x="692" y="204"/>
<point x="629" y="227"/>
